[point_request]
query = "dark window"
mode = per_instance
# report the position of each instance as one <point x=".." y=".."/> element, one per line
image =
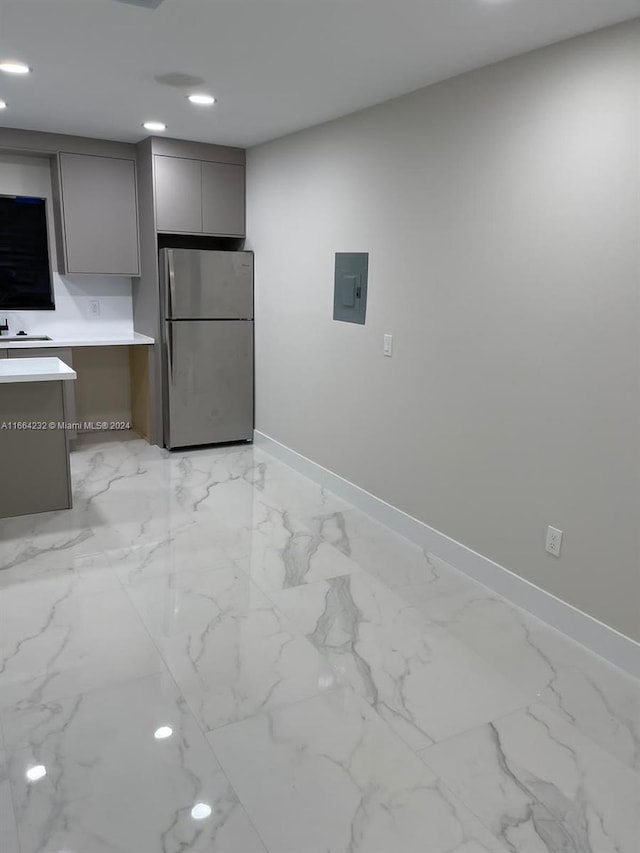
<point x="25" y="276"/>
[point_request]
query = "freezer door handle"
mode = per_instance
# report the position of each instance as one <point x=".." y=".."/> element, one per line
<point x="170" y="277"/>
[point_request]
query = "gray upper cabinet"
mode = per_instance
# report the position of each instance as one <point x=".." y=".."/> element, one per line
<point x="199" y="197"/>
<point x="98" y="211"/>
<point x="178" y="194"/>
<point x="223" y="199"/>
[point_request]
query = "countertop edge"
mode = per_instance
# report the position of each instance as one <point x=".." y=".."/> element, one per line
<point x="70" y="343"/>
<point x="17" y="370"/>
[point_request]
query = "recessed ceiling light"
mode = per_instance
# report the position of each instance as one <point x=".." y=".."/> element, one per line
<point x="163" y="732"/>
<point x="200" y="811"/>
<point x="36" y="773"/>
<point x="3" y="105"/>
<point x="11" y="67"/>
<point x="202" y="100"/>
<point x="154" y="125"/>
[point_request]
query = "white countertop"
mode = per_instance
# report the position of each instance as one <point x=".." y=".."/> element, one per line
<point x="127" y="341"/>
<point x="34" y="370"/>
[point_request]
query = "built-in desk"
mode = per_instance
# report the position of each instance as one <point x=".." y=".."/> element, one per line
<point x="34" y="445"/>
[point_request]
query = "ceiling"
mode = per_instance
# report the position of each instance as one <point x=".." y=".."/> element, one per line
<point x="275" y="66"/>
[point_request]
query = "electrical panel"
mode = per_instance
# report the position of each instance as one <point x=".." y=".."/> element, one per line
<point x="350" y="287"/>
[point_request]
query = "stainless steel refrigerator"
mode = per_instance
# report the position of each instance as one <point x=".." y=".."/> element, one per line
<point x="207" y="346"/>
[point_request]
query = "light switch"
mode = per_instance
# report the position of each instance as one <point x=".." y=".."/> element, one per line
<point x="388" y="345"/>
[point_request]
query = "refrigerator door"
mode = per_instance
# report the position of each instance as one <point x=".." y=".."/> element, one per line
<point x="208" y="382"/>
<point x="207" y="285"/>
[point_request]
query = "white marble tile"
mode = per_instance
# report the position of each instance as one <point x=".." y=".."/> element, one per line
<point x="185" y="544"/>
<point x="194" y="601"/>
<point x="445" y="609"/>
<point x="440" y="602"/>
<point x="599" y="699"/>
<point x="99" y="450"/>
<point x="289" y="490"/>
<point x="135" y="517"/>
<point x="50" y="543"/>
<point x="198" y="470"/>
<point x="113" y="467"/>
<point x="475" y="846"/>
<point x="425" y="683"/>
<point x="602" y="701"/>
<point x="328" y="776"/>
<point x="274" y="548"/>
<point x="202" y="467"/>
<point x="112" y="785"/>
<point x="159" y="497"/>
<point x="196" y="475"/>
<point x="391" y="558"/>
<point x="540" y="784"/>
<point x="8" y="829"/>
<point x="76" y="570"/>
<point x="194" y="478"/>
<point x="281" y="552"/>
<point x="216" y="563"/>
<point x="233" y="503"/>
<point x="67" y="635"/>
<point x="229" y="650"/>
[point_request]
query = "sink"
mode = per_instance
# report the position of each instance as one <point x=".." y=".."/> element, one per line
<point x="3" y="339"/>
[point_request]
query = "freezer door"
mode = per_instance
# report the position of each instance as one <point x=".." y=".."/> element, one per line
<point x="206" y="285"/>
<point x="208" y="382"/>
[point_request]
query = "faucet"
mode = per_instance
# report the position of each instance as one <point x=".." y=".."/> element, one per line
<point x="4" y="327"/>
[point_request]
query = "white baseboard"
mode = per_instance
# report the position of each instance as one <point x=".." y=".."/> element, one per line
<point x="595" y="635"/>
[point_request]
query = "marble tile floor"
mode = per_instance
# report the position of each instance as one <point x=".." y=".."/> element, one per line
<point x="212" y="653"/>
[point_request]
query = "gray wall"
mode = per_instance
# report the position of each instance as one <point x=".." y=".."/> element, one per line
<point x="500" y="210"/>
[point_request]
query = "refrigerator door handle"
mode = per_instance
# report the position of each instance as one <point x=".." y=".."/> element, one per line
<point x="171" y="282"/>
<point x="170" y="350"/>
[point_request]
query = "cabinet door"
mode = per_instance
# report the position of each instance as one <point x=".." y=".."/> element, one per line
<point x="178" y="194"/>
<point x="34" y="463"/>
<point x="100" y="214"/>
<point x="223" y="199"/>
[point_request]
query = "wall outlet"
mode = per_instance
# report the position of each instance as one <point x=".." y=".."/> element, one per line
<point x="94" y="307"/>
<point x="388" y="345"/>
<point x="554" y="541"/>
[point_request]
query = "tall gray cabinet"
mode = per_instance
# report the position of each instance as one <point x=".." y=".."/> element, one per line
<point x="186" y="189"/>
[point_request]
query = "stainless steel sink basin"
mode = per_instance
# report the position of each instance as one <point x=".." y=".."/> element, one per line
<point x="4" y="339"/>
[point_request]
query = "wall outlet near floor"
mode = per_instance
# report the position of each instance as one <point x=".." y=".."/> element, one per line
<point x="554" y="541"/>
<point x="94" y="307"/>
<point x="388" y="345"/>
